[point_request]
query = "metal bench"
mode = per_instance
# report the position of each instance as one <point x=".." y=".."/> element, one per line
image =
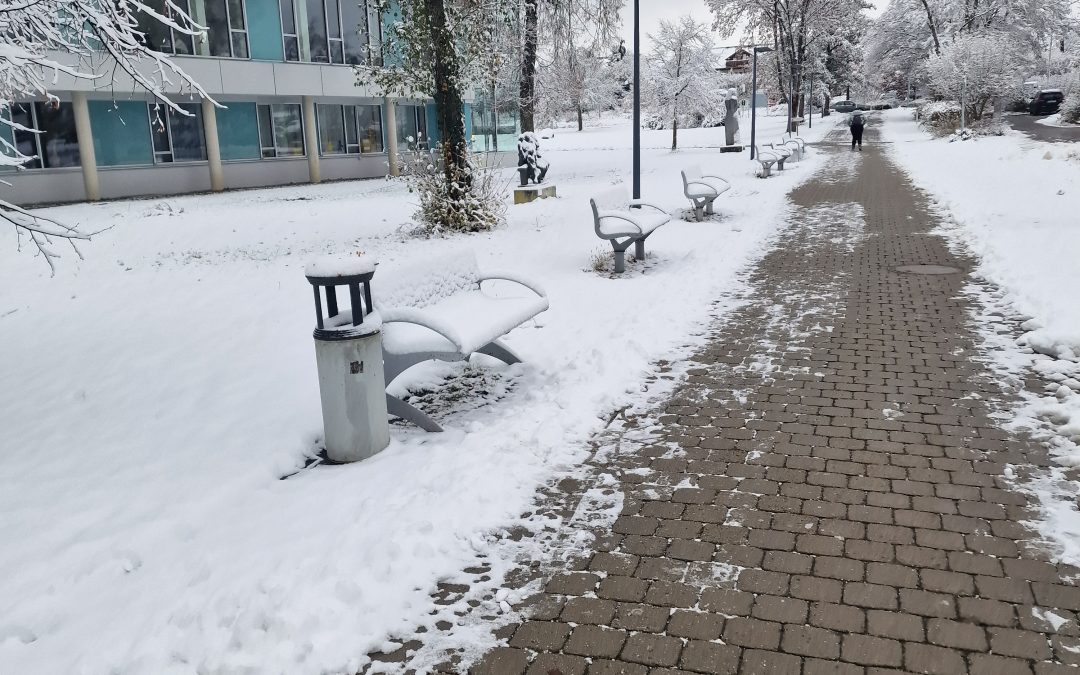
<point x="623" y="221"/>
<point x="438" y="310"/>
<point x="767" y="157"/>
<point x="702" y="190"/>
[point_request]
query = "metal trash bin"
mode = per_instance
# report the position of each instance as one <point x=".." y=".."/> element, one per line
<point x="348" y="352"/>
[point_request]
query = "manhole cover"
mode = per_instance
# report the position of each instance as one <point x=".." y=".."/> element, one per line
<point x="927" y="269"/>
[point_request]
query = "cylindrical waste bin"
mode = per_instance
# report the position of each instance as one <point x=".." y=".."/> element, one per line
<point x="348" y="351"/>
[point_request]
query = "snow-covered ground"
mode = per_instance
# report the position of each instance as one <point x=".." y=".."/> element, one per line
<point x="155" y="393"/>
<point x="1014" y="203"/>
<point x="1055" y="121"/>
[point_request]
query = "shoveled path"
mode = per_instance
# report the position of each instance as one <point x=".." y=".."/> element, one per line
<point x="827" y="493"/>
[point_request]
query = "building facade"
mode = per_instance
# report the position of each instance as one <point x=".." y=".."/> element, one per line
<point x="289" y="110"/>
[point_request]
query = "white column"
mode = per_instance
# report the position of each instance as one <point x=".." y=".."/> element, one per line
<point x="390" y="131"/>
<point x="86" y="146"/>
<point x="311" y="140"/>
<point x="213" y="148"/>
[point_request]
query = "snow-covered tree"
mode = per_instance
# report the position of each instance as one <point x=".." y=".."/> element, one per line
<point x="442" y="48"/>
<point x="796" y="28"/>
<point x="86" y="40"/>
<point x="977" y="68"/>
<point x="681" y="79"/>
<point x="563" y="37"/>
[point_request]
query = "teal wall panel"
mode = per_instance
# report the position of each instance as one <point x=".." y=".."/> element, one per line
<point x="389" y="18"/>
<point x="468" y="120"/>
<point x="430" y="113"/>
<point x="121" y="133"/>
<point x="238" y="131"/>
<point x="264" y="30"/>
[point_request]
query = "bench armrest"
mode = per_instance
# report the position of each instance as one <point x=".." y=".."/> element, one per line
<point x="420" y="318"/>
<point x="505" y="275"/>
<point x="642" y="202"/>
<point x="727" y="185"/>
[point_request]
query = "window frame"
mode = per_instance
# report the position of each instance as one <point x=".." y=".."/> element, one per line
<point x="171" y="152"/>
<point x="356" y="128"/>
<point x="295" y="35"/>
<point x="273" y="135"/>
<point x="173" y="33"/>
<point x="37" y="138"/>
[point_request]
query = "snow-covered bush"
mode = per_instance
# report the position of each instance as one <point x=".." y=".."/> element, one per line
<point x="1070" y="108"/>
<point x="446" y="205"/>
<point x="977" y="68"/>
<point x="940" y="117"/>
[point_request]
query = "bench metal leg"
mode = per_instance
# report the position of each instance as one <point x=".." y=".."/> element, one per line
<point x="398" y="408"/>
<point x="620" y="262"/>
<point x="780" y="164"/>
<point x="499" y="350"/>
<point x="698" y="210"/>
<point x="639" y="248"/>
<point x="709" y="205"/>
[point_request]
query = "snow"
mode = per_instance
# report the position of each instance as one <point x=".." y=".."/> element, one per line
<point x="1012" y="202"/>
<point x="1055" y="121"/>
<point x="340" y="266"/>
<point x="156" y="393"/>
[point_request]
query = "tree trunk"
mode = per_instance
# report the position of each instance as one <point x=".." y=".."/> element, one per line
<point x="933" y="26"/>
<point x="527" y="87"/>
<point x="825" y="112"/>
<point x="447" y="95"/>
<point x="675" y="132"/>
<point x="580" y="121"/>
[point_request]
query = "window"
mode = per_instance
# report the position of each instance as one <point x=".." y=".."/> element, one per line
<point x="350" y="129"/>
<point x="316" y="20"/>
<point x="411" y="124"/>
<point x="289" y="36"/>
<point x="176" y="137"/>
<point x="160" y="37"/>
<point x="362" y="32"/>
<point x="226" y="29"/>
<point x="55" y="146"/>
<point x="281" y="130"/>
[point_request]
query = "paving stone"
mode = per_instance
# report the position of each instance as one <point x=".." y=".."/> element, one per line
<point x="502" y="661"/>
<point x="709" y="657"/>
<point x="540" y="635"/>
<point x="895" y="625"/>
<point x="695" y="625"/>
<point x="588" y="611"/>
<point x="760" y="662"/>
<point x="922" y="658"/>
<point x="811" y="641"/>
<point x="562" y="664"/>
<point x="606" y="667"/>
<point x="748" y="632"/>
<point x="652" y="650"/>
<point x="871" y="651"/>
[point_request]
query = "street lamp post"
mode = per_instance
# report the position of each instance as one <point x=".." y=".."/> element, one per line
<point x="753" y="99"/>
<point x="637" y="101"/>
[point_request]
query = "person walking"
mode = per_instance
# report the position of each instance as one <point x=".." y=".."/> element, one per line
<point x="856" y="122"/>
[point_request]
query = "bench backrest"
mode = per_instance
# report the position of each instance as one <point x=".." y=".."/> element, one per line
<point x="615" y="199"/>
<point x="426" y="283"/>
<point x="691" y="174"/>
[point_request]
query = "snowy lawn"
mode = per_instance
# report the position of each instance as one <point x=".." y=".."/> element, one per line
<point x="155" y="393"/>
<point x="1015" y="204"/>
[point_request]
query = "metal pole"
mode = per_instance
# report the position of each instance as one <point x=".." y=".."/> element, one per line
<point x="790" y="94"/>
<point x="963" y="104"/>
<point x="637" y="101"/>
<point x="810" y="105"/>
<point x="753" y="104"/>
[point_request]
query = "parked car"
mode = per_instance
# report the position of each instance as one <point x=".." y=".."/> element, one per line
<point x="844" y="106"/>
<point x="1046" y="102"/>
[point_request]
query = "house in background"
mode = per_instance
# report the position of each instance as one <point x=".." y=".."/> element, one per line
<point x="291" y="110"/>
<point x="739" y="61"/>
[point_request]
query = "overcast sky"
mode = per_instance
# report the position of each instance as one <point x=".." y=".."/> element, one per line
<point x="654" y="10"/>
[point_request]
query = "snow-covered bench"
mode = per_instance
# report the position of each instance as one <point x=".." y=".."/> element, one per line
<point x="782" y="149"/>
<point x="437" y="310"/>
<point x="792" y="139"/>
<point x="702" y="189"/>
<point x="767" y="157"/>
<point x="615" y="220"/>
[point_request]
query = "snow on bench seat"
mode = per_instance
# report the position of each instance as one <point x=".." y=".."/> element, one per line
<point x="438" y="310"/>
<point x="702" y="189"/>
<point x="614" y="219"/>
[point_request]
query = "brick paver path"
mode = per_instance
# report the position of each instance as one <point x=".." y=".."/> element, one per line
<point x="828" y="493"/>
